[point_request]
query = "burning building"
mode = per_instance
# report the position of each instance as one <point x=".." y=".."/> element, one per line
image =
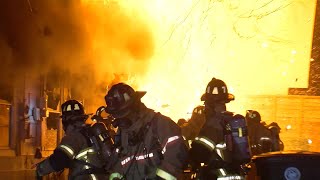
<point x="52" y="51"/>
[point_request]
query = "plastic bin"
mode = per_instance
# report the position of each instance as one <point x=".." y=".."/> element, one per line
<point x="287" y="165"/>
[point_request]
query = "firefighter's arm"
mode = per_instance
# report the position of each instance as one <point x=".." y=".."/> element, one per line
<point x="61" y="157"/>
<point x="204" y="145"/>
<point x="56" y="162"/>
<point x="174" y="150"/>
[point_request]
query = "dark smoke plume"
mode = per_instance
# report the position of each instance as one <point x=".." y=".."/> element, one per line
<point x="93" y="43"/>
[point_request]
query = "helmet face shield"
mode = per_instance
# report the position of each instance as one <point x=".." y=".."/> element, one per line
<point x="118" y="105"/>
<point x="120" y="99"/>
<point x="113" y="103"/>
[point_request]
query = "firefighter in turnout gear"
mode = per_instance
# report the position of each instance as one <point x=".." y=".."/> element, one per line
<point x="75" y="151"/>
<point x="192" y="128"/>
<point x="263" y="138"/>
<point x="148" y="144"/>
<point x="221" y="147"/>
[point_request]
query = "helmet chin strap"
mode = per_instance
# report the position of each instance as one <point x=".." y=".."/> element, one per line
<point x="214" y="107"/>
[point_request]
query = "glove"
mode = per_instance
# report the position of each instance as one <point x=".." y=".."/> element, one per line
<point x="38" y="177"/>
<point x="44" y="168"/>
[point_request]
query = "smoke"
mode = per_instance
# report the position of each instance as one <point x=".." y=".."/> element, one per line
<point x="94" y="43"/>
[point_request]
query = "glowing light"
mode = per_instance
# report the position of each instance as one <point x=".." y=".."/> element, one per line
<point x="284" y="73"/>
<point x="311" y="59"/>
<point x="193" y="43"/>
<point x="293" y="52"/>
<point x="231" y="89"/>
<point x="291" y="61"/>
<point x="309" y="141"/>
<point x="288" y="127"/>
<point x="265" y="45"/>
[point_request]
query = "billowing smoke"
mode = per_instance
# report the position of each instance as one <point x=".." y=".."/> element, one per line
<point x="94" y="43"/>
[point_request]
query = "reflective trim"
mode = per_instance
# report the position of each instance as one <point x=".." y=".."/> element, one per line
<point x="173" y="138"/>
<point x="170" y="139"/>
<point x="140" y="157"/>
<point x="221" y="146"/>
<point x="84" y="153"/>
<point x="235" y="177"/>
<point x="220" y="153"/>
<point x="67" y="149"/>
<point x="215" y="90"/>
<point x="206" y="141"/>
<point x="101" y="138"/>
<point x="144" y="156"/>
<point x="240" y="132"/>
<point x="115" y="175"/>
<point x="189" y="143"/>
<point x="222" y="172"/>
<point x="93" y="177"/>
<point x="126" y="160"/>
<point x="265" y="138"/>
<point x="165" y="175"/>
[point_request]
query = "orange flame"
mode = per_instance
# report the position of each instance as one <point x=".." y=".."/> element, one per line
<point x="257" y="48"/>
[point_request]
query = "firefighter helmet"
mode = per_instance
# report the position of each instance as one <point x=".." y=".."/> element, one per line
<point x="121" y="98"/>
<point x="182" y="122"/>
<point x="73" y="110"/>
<point x="217" y="91"/>
<point x="253" y="116"/>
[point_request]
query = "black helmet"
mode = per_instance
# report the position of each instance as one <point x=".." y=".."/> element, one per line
<point x="120" y="99"/>
<point x="181" y="122"/>
<point x="253" y="116"/>
<point x="217" y="91"/>
<point x="73" y="110"/>
<point x="198" y="110"/>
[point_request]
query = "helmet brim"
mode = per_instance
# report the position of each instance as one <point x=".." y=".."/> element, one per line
<point x="140" y="94"/>
<point x="205" y="97"/>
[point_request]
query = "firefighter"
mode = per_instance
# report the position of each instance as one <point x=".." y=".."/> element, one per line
<point x="192" y="128"/>
<point x="222" y="146"/>
<point x="263" y="138"/>
<point x="277" y="144"/>
<point x="75" y="151"/>
<point x="182" y="122"/>
<point x="149" y="145"/>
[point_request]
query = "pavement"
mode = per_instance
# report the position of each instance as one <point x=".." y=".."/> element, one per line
<point x="21" y="168"/>
<point x="29" y="175"/>
<point x="18" y="175"/>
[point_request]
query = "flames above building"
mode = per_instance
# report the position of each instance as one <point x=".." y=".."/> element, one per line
<point x="257" y="48"/>
<point x="171" y="49"/>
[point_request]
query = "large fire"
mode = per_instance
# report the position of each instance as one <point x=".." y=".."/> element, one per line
<point x="256" y="47"/>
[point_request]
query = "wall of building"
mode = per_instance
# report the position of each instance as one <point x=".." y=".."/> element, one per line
<point x="298" y="117"/>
